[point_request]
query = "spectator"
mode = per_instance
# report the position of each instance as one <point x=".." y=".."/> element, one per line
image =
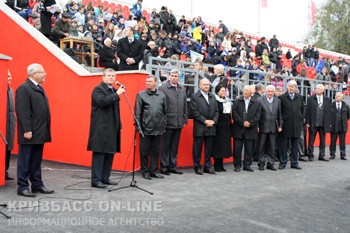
<point x="219" y="37"/>
<point x="80" y="16"/>
<point x="157" y="20"/>
<point x="279" y="57"/>
<point x="81" y="31"/>
<point x="88" y="25"/>
<point x="254" y="77"/>
<point x="107" y="58"/>
<point x="302" y="65"/>
<point x="289" y="54"/>
<point x="71" y="8"/>
<point x="107" y="14"/>
<point x="172" y="17"/>
<point x="36" y="12"/>
<point x="274" y="43"/>
<point x="176" y="48"/>
<point x="21" y="7"/>
<point x="183" y="20"/>
<point x="152" y="14"/>
<point x="114" y="19"/>
<point x="265" y="59"/>
<point x="223" y="26"/>
<point x="99" y="10"/>
<point x="164" y="42"/>
<point x="306" y="53"/>
<point x="164" y="16"/>
<point x="192" y="46"/>
<point x="227" y="42"/>
<point x="312" y="56"/>
<point x="137" y="9"/>
<point x="101" y="27"/>
<point x="136" y="32"/>
<point x="264" y="45"/>
<point x="150" y="51"/>
<point x="273" y="56"/>
<point x="95" y="31"/>
<point x="45" y="18"/>
<point x="74" y="28"/>
<point x="258" y="50"/>
<point x="323" y="76"/>
<point x="169" y="27"/>
<point x="62" y="28"/>
<point x="130" y="51"/>
<point x="316" y="56"/>
<point x="197" y="33"/>
<point x="295" y="63"/>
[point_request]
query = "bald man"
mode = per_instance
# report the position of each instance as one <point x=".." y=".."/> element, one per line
<point x="246" y="115"/>
<point x="205" y="115"/>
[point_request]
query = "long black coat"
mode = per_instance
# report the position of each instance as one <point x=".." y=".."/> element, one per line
<point x="345" y="116"/>
<point x="33" y="114"/>
<point x="292" y="115"/>
<point x="311" y="113"/>
<point x="253" y="117"/>
<point x="45" y="18"/>
<point x="10" y="120"/>
<point x="133" y="50"/>
<point x="222" y="146"/>
<point x="105" y="122"/>
<point x="200" y="114"/>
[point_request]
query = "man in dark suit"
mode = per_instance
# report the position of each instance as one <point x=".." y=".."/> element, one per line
<point x="270" y="124"/>
<point x="246" y="114"/>
<point x="105" y="126"/>
<point x="259" y="92"/>
<point x="318" y="119"/>
<point x="130" y="51"/>
<point x="292" y="115"/>
<point x="34" y="120"/>
<point x="10" y="125"/>
<point x="340" y="115"/>
<point x="176" y="119"/>
<point x="205" y="115"/>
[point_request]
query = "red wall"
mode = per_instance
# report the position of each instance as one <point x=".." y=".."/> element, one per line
<point x="3" y="106"/>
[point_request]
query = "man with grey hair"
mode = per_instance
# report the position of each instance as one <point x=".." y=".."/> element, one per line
<point x="258" y="91"/>
<point x="318" y="119"/>
<point x="176" y="119"/>
<point x="33" y="131"/>
<point x="292" y="107"/>
<point x="340" y="112"/>
<point x="270" y="124"/>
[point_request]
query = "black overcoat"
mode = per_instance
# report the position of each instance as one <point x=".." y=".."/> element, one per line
<point x="33" y="114"/>
<point x="105" y="122"/>
<point x="133" y="50"/>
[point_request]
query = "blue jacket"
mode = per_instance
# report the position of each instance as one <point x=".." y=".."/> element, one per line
<point x="134" y="8"/>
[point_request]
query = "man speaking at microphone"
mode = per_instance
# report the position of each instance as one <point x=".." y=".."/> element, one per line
<point x="105" y="126"/>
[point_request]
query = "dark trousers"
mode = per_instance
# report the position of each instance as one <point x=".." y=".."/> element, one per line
<point x="57" y="38"/>
<point x="197" y="151"/>
<point x="7" y="164"/>
<point x="256" y="149"/>
<point x="332" y="147"/>
<point x="312" y="137"/>
<point x="149" y="148"/>
<point x="268" y="139"/>
<point x="101" y="167"/>
<point x="169" y="149"/>
<point x="294" y="151"/>
<point x="29" y="166"/>
<point x="237" y="152"/>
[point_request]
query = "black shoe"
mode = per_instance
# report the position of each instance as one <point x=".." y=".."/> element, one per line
<point x="9" y="178"/>
<point x="199" y="172"/>
<point x="254" y="160"/>
<point x="303" y="159"/>
<point x="261" y="168"/>
<point x="249" y="169"/>
<point x="222" y="169"/>
<point x="147" y="176"/>
<point x="175" y="171"/>
<point x="209" y="171"/>
<point x="343" y="158"/>
<point x="281" y="167"/>
<point x="311" y="159"/>
<point x="26" y="193"/>
<point x="323" y="159"/>
<point x="296" y="167"/>
<point x="109" y="182"/>
<point x="99" y="185"/>
<point x="216" y="166"/>
<point x="332" y="157"/>
<point x="165" y="172"/>
<point x="237" y="169"/>
<point x="156" y="175"/>
<point x="43" y="190"/>
<point x="271" y="168"/>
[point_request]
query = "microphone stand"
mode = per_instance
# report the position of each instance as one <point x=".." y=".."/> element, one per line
<point x="4" y="205"/>
<point x="133" y="181"/>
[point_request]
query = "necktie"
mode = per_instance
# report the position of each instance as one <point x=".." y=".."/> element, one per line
<point x="338" y="106"/>
<point x="319" y="101"/>
<point x="40" y="87"/>
<point x="130" y="41"/>
<point x="270" y="100"/>
<point x="292" y="96"/>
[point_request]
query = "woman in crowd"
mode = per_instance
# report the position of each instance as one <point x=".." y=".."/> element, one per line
<point x="109" y="31"/>
<point x="136" y="34"/>
<point x="36" y="11"/>
<point x="99" y="10"/>
<point x="107" y="58"/>
<point x="222" y="147"/>
<point x="71" y="8"/>
<point x="227" y="42"/>
<point x="302" y="65"/>
<point x="323" y="76"/>
<point x="219" y="76"/>
<point x="295" y="63"/>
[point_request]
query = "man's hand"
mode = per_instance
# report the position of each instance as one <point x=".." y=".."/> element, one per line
<point x="184" y="125"/>
<point x="121" y="90"/>
<point x="307" y="125"/>
<point x="139" y="132"/>
<point x="28" y="135"/>
<point x="246" y="124"/>
<point x="209" y="123"/>
<point x="258" y="130"/>
<point x="66" y="34"/>
<point x="279" y="130"/>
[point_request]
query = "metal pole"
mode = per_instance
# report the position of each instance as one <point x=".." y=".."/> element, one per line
<point x="259" y="6"/>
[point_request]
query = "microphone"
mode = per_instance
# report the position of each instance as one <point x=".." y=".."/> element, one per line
<point x="118" y="83"/>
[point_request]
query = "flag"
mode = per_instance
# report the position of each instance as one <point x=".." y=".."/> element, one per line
<point x="195" y="55"/>
<point x="313" y="12"/>
<point x="263" y="3"/>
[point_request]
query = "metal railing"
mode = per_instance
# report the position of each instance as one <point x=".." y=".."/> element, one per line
<point x="305" y="85"/>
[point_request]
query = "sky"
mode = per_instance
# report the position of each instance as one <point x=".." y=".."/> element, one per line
<point x="288" y="19"/>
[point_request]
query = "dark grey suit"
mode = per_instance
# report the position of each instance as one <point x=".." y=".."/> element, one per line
<point x="270" y="121"/>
